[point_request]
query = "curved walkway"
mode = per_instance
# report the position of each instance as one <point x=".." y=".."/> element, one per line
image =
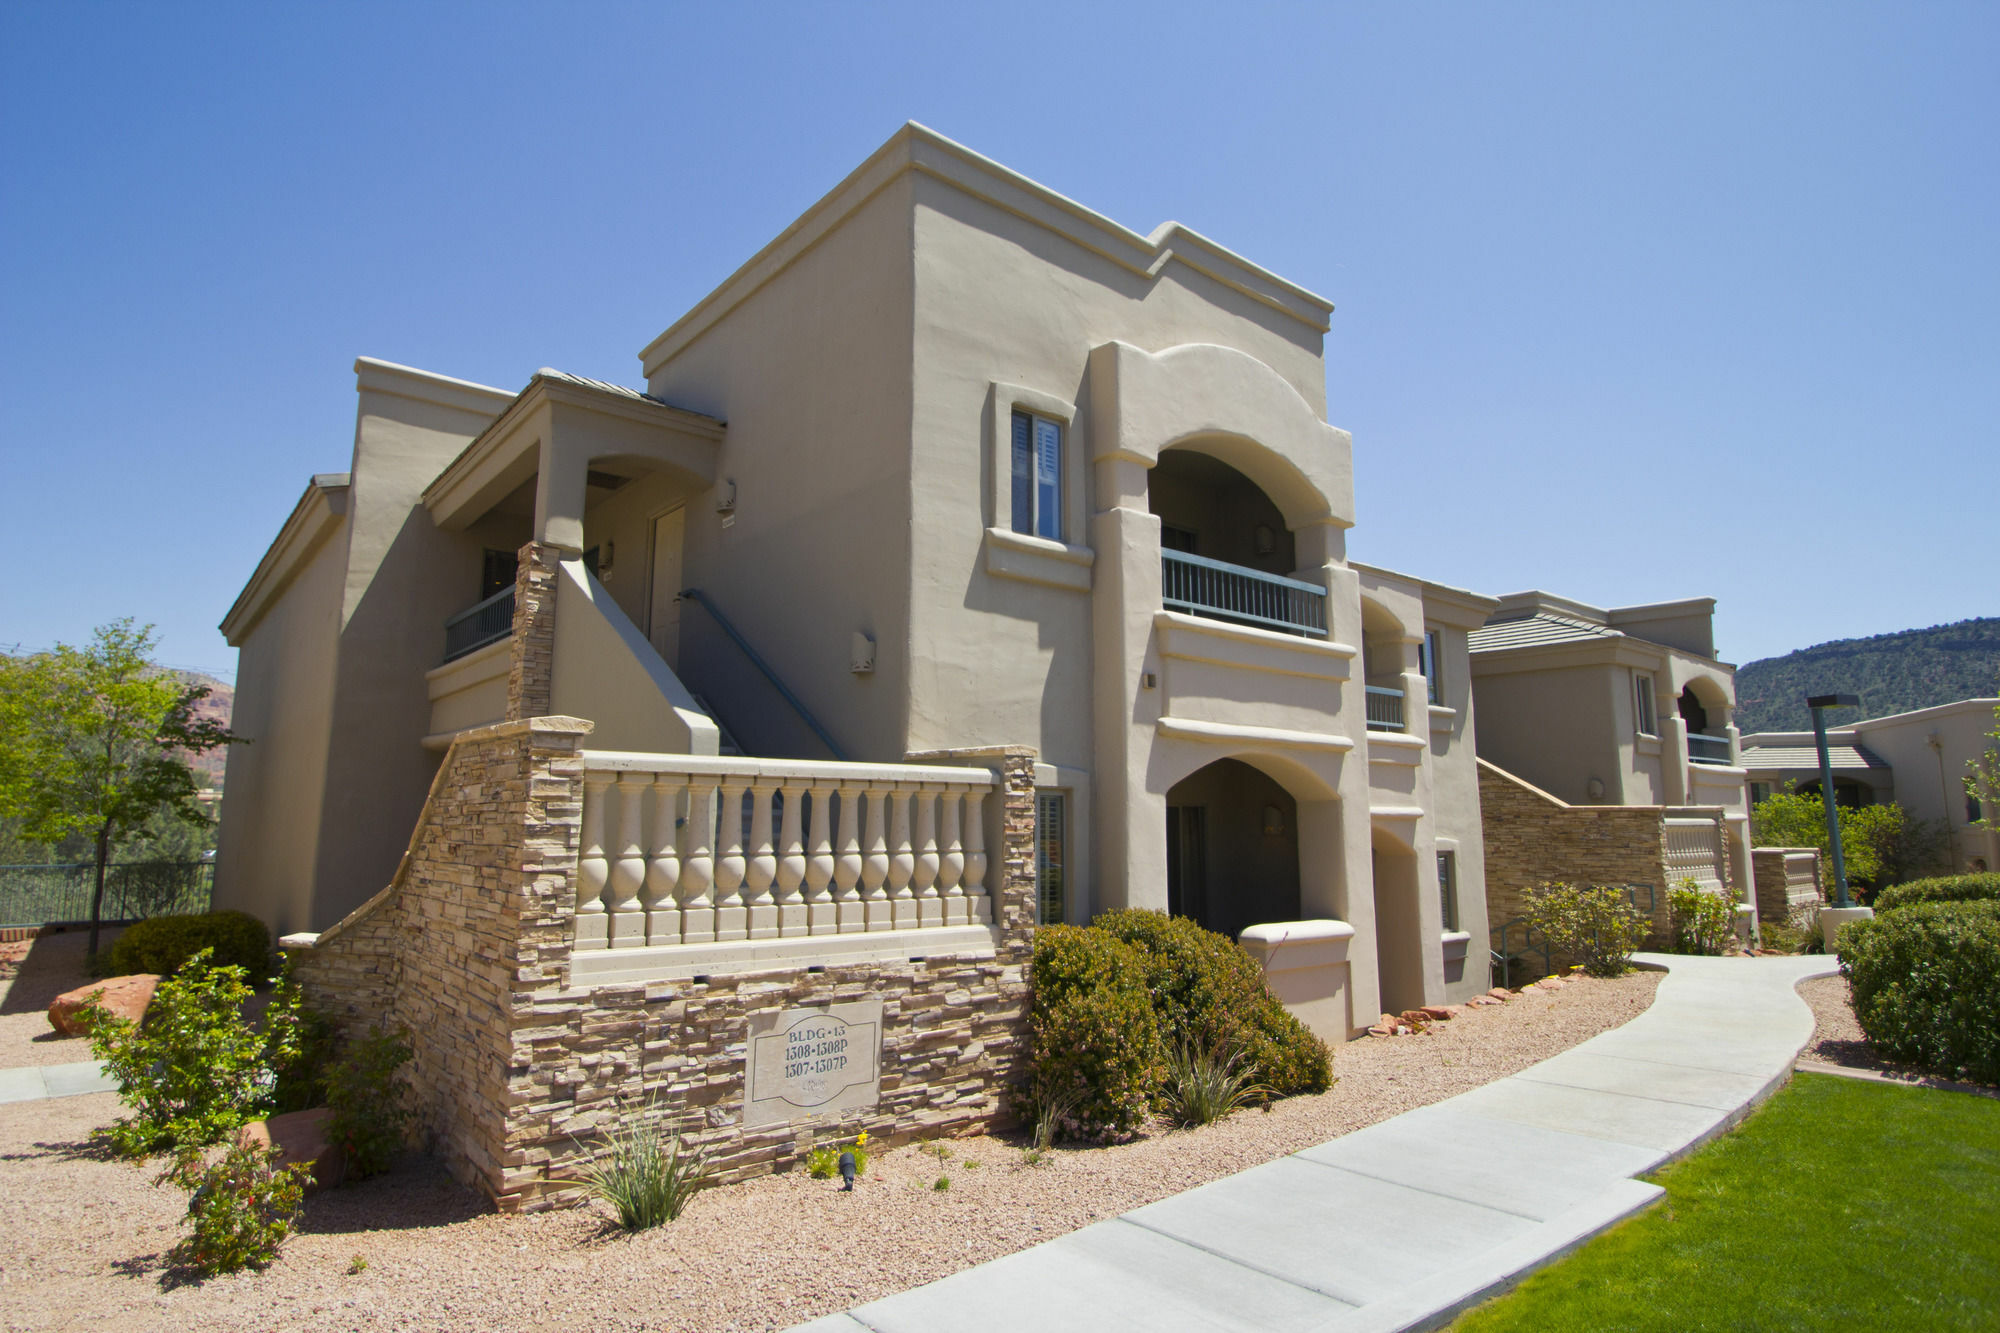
<point x="1406" y="1223"/>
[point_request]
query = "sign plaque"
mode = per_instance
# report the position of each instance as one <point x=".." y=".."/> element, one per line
<point x="805" y="1063"/>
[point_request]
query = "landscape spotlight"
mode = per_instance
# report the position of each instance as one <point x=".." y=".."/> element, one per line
<point x="847" y="1170"/>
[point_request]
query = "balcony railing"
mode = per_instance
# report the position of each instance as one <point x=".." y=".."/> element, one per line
<point x="1385" y="708"/>
<point x="1707" y="749"/>
<point x="473" y="628"/>
<point x="1222" y="591"/>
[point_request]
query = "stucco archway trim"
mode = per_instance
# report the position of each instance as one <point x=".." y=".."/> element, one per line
<point x="1230" y="405"/>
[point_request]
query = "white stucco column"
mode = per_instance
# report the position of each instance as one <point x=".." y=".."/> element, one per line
<point x="1131" y="834"/>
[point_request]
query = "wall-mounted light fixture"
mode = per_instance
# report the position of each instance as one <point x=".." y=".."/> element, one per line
<point x="1274" y="821"/>
<point x="1266" y="539"/>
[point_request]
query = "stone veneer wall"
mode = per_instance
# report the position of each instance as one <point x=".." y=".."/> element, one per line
<point x="516" y="1070"/>
<point x="1787" y="880"/>
<point x="1533" y="837"/>
<point x="532" y="652"/>
<point x="472" y="929"/>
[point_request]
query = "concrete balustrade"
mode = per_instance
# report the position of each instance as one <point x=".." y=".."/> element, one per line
<point x="681" y="854"/>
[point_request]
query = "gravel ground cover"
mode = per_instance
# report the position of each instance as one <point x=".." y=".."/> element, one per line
<point x="49" y="966"/>
<point x="87" y="1235"/>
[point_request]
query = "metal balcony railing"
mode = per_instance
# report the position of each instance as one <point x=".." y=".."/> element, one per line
<point x="1385" y="708"/>
<point x="473" y="628"/>
<point x="1223" y="591"/>
<point x="1707" y="749"/>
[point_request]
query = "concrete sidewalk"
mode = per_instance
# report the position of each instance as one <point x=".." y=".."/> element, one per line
<point x="1406" y="1223"/>
<point x="30" y="1083"/>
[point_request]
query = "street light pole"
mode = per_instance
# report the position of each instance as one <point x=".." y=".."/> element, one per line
<point x="1819" y="703"/>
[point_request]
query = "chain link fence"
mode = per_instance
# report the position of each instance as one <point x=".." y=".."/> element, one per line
<point x="134" y="890"/>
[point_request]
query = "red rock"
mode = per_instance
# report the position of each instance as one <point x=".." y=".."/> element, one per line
<point x="1416" y="1018"/>
<point x="1501" y="993"/>
<point x="298" y="1136"/>
<point x="122" y="997"/>
<point x="1388" y="1020"/>
<point x="1443" y="1013"/>
<point x="1379" y="1031"/>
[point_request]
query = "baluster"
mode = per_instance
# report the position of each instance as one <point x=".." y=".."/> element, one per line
<point x="628" y="872"/>
<point x="930" y="908"/>
<point x="663" y="870"/>
<point x="851" y="914"/>
<point x="902" y="860"/>
<point x="698" y="867"/>
<point x="732" y="915"/>
<point x="792" y="864"/>
<point x="978" y="906"/>
<point x="951" y="866"/>
<point x="875" y="865"/>
<point x="592" y="869"/>
<point x="823" y="913"/>
<point x="763" y="864"/>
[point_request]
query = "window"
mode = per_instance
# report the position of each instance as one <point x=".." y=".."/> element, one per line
<point x="1972" y="809"/>
<point x="498" y="572"/>
<point x="1448" y="889"/>
<point x="1428" y="656"/>
<point x="1037" y="471"/>
<point x="1051" y="854"/>
<point x="1177" y="539"/>
<point x="1759" y="792"/>
<point x="1642" y="697"/>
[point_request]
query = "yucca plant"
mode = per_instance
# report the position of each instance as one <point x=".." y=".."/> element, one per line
<point x="1205" y="1084"/>
<point x="648" y="1177"/>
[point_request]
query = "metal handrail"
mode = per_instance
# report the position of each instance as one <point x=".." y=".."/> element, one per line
<point x="1222" y="591"/>
<point x="1504" y="956"/>
<point x="483" y="622"/>
<point x="1385" y="716"/>
<point x="1716" y="747"/>
<point x="698" y="596"/>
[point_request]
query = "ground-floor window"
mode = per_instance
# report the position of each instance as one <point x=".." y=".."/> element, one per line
<point x="1448" y="889"/>
<point x="1051" y="856"/>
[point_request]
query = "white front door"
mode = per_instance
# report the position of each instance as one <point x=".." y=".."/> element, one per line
<point x="664" y="624"/>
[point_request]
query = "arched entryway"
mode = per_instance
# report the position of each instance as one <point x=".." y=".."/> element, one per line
<point x="1399" y="950"/>
<point x="1232" y="848"/>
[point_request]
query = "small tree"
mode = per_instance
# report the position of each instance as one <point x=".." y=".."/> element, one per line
<point x="93" y="742"/>
<point x="1883" y="844"/>
<point x="1982" y="780"/>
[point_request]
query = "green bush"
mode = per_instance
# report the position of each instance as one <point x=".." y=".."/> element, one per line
<point x="163" y="944"/>
<point x="1209" y="994"/>
<point x="1703" y="922"/>
<point x="367" y="1103"/>
<point x="299" y="1046"/>
<point x="648" y="1177"/>
<point x="1096" y="1045"/>
<point x="1948" y="889"/>
<point x="1926" y="985"/>
<point x="240" y="1209"/>
<point x="823" y="1162"/>
<point x="194" y="1072"/>
<point x="1595" y="925"/>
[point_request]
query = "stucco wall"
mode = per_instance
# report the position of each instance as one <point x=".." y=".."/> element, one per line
<point x="812" y="374"/>
<point x="273" y="789"/>
<point x="1558" y="728"/>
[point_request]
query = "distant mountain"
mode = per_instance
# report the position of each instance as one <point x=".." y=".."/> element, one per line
<point x="220" y="705"/>
<point x="1893" y="673"/>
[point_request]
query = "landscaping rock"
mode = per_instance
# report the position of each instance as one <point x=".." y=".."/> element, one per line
<point x="122" y="997"/>
<point x="299" y="1136"/>
<point x="1501" y="993"/>
<point x="1444" y="1013"/>
<point x="1416" y="1018"/>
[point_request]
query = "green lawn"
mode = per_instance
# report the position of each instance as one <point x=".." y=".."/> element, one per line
<point x="1839" y="1205"/>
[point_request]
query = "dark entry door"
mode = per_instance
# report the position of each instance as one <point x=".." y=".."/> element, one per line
<point x="1187" y="861"/>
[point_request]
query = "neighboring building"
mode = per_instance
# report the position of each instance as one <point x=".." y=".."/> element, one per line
<point x="1917" y="759"/>
<point x="1586" y="709"/>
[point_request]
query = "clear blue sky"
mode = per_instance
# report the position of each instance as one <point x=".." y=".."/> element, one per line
<point x="1634" y="302"/>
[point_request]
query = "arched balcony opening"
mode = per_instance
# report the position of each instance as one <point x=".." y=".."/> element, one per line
<point x="1232" y="848"/>
<point x="1225" y="550"/>
<point x="1704" y="710"/>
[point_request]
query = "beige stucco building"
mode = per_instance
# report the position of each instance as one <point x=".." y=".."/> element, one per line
<point x="1918" y="759"/>
<point x="1628" y="707"/>
<point x="952" y="463"/>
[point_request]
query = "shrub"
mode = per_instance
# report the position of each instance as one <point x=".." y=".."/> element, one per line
<point x="1203" y="1085"/>
<point x="367" y="1103"/>
<point x="1595" y="925"/>
<point x="1926" y="985"/>
<point x="194" y="1071"/>
<point x="1096" y="1045"/>
<point x="1948" y="889"/>
<point x="241" y="1208"/>
<point x="823" y="1162"/>
<point x="1210" y="995"/>
<point x="1703" y="922"/>
<point x="299" y="1045"/>
<point x="649" y="1179"/>
<point x="163" y="944"/>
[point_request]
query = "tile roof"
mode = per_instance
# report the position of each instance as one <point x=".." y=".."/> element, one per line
<point x="1536" y="631"/>
<point x="602" y="386"/>
<point x="1806" y="756"/>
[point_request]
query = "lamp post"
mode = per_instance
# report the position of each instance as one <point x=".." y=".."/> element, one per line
<point x="1842" y="911"/>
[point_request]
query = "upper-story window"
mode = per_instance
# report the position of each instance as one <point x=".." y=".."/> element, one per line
<point x="1038" y="470"/>
<point x="1642" y="699"/>
<point x="1430" y="662"/>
